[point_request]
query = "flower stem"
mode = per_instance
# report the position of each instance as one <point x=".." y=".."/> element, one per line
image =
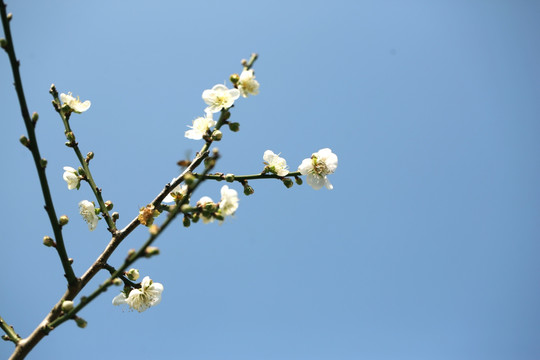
<point x="33" y="147"/>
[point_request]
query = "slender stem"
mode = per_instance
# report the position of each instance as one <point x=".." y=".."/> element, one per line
<point x="82" y="161"/>
<point x="33" y="146"/>
<point x="11" y="334"/>
<point x="240" y="178"/>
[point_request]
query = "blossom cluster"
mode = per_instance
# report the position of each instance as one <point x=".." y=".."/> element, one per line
<point x="140" y="298"/>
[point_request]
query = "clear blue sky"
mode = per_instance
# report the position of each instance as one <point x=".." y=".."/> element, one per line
<point x="427" y="248"/>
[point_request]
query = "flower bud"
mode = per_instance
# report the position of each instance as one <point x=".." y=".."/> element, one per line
<point x="24" y="140"/>
<point x="115" y="216"/>
<point x="189" y="179"/>
<point x="234" y="126"/>
<point x="151" y="251"/>
<point x="81" y="171"/>
<point x="248" y="190"/>
<point x="217" y="135"/>
<point x="90" y="155"/>
<point x="234" y="78"/>
<point x="35" y="117"/>
<point x="48" y="241"/>
<point x="117" y="281"/>
<point x="132" y="274"/>
<point x="186" y="222"/>
<point x="131" y="253"/>
<point x="81" y="322"/>
<point x="153" y="229"/>
<point x="287" y="182"/>
<point x="109" y="205"/>
<point x="298" y="180"/>
<point x="9" y="16"/>
<point x="229" y="178"/>
<point x="67" y="305"/>
<point x="195" y="217"/>
<point x="70" y="260"/>
<point x="3" y="43"/>
<point x="43" y="163"/>
<point x="63" y="220"/>
<point x="70" y="136"/>
<point x="219" y="217"/>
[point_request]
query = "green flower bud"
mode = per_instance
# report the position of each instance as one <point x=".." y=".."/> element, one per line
<point x="186" y="222"/>
<point x="195" y="217"/>
<point x="115" y="216"/>
<point x="117" y="281"/>
<point x="70" y="136"/>
<point x="43" y="163"/>
<point x="132" y="274"/>
<point x="24" y="140"/>
<point x="81" y="322"/>
<point x="63" y="220"/>
<point x="151" y="251"/>
<point x="81" y="171"/>
<point x="3" y="43"/>
<point x="217" y="135"/>
<point x="288" y="183"/>
<point x="35" y="117"/>
<point x="48" y="241"/>
<point x="131" y="253"/>
<point x="189" y="179"/>
<point x="229" y="178"/>
<point x="298" y="180"/>
<point x="109" y="205"/>
<point x="234" y="78"/>
<point x="90" y="155"/>
<point x="234" y="126"/>
<point x="248" y="190"/>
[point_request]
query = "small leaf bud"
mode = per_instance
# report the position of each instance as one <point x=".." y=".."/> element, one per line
<point x="234" y="126"/>
<point x="186" y="222"/>
<point x="35" y="117"/>
<point x="217" y="135"/>
<point x="298" y="180"/>
<point x="248" y="190"/>
<point x="229" y="178"/>
<point x="81" y="322"/>
<point x="115" y="216"/>
<point x="288" y="183"/>
<point x="24" y="140"/>
<point x="151" y="251"/>
<point x="48" y="241"/>
<point x="132" y="274"/>
<point x="43" y="163"/>
<point x="117" y="281"/>
<point x="67" y="305"/>
<point x="109" y="205"/>
<point x="234" y="78"/>
<point x="189" y="179"/>
<point x="63" y="220"/>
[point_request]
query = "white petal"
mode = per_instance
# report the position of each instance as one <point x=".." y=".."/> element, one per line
<point x="315" y="181"/>
<point x="305" y="166"/>
<point x="119" y="299"/>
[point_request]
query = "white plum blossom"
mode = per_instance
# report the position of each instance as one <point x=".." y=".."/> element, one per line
<point x="229" y="201"/>
<point x="71" y="177"/>
<point x="219" y="97"/>
<point x="178" y="190"/>
<point x="275" y="164"/>
<point x="148" y="295"/>
<point x="247" y="83"/>
<point x="74" y="104"/>
<point x="200" y="127"/>
<point x="316" y="168"/>
<point x="88" y="212"/>
<point x="202" y="202"/>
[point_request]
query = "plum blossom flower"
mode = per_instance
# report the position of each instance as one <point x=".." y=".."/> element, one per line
<point x="176" y="194"/>
<point x="148" y="295"/>
<point x="219" y="97"/>
<point x="88" y="212"/>
<point x="75" y="104"/>
<point x="316" y="168"/>
<point x="247" y="83"/>
<point x="229" y="201"/>
<point x="275" y="164"/>
<point x="204" y="202"/>
<point x="71" y="177"/>
<point x="200" y="127"/>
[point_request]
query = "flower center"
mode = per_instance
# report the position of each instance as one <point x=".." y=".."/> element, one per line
<point x="319" y="167"/>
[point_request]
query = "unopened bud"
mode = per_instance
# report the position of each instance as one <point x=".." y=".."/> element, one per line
<point x="70" y="260"/>
<point x="209" y="162"/>
<point x="48" y="241"/>
<point x="67" y="305"/>
<point x="219" y="217"/>
<point x="234" y="127"/>
<point x="195" y="217"/>
<point x="3" y="43"/>
<point x="131" y="253"/>
<point x="217" y="135"/>
<point x="81" y="171"/>
<point x="132" y="274"/>
<point x="229" y="178"/>
<point x="43" y="163"/>
<point x="189" y="179"/>
<point x="109" y="205"/>
<point x="117" y="281"/>
<point x="248" y="190"/>
<point x="24" y="140"/>
<point x="70" y="136"/>
<point x="186" y="222"/>
<point x="35" y="117"/>
<point x="151" y="251"/>
<point x="115" y="216"/>
<point x="9" y="16"/>
<point x="287" y="182"/>
<point x="153" y="229"/>
<point x="90" y="155"/>
<point x="225" y="115"/>
<point x="63" y="220"/>
<point x="81" y="322"/>
<point x="234" y="78"/>
<point x="298" y="180"/>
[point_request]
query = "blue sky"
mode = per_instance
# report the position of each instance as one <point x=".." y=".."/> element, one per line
<point x="427" y="248"/>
